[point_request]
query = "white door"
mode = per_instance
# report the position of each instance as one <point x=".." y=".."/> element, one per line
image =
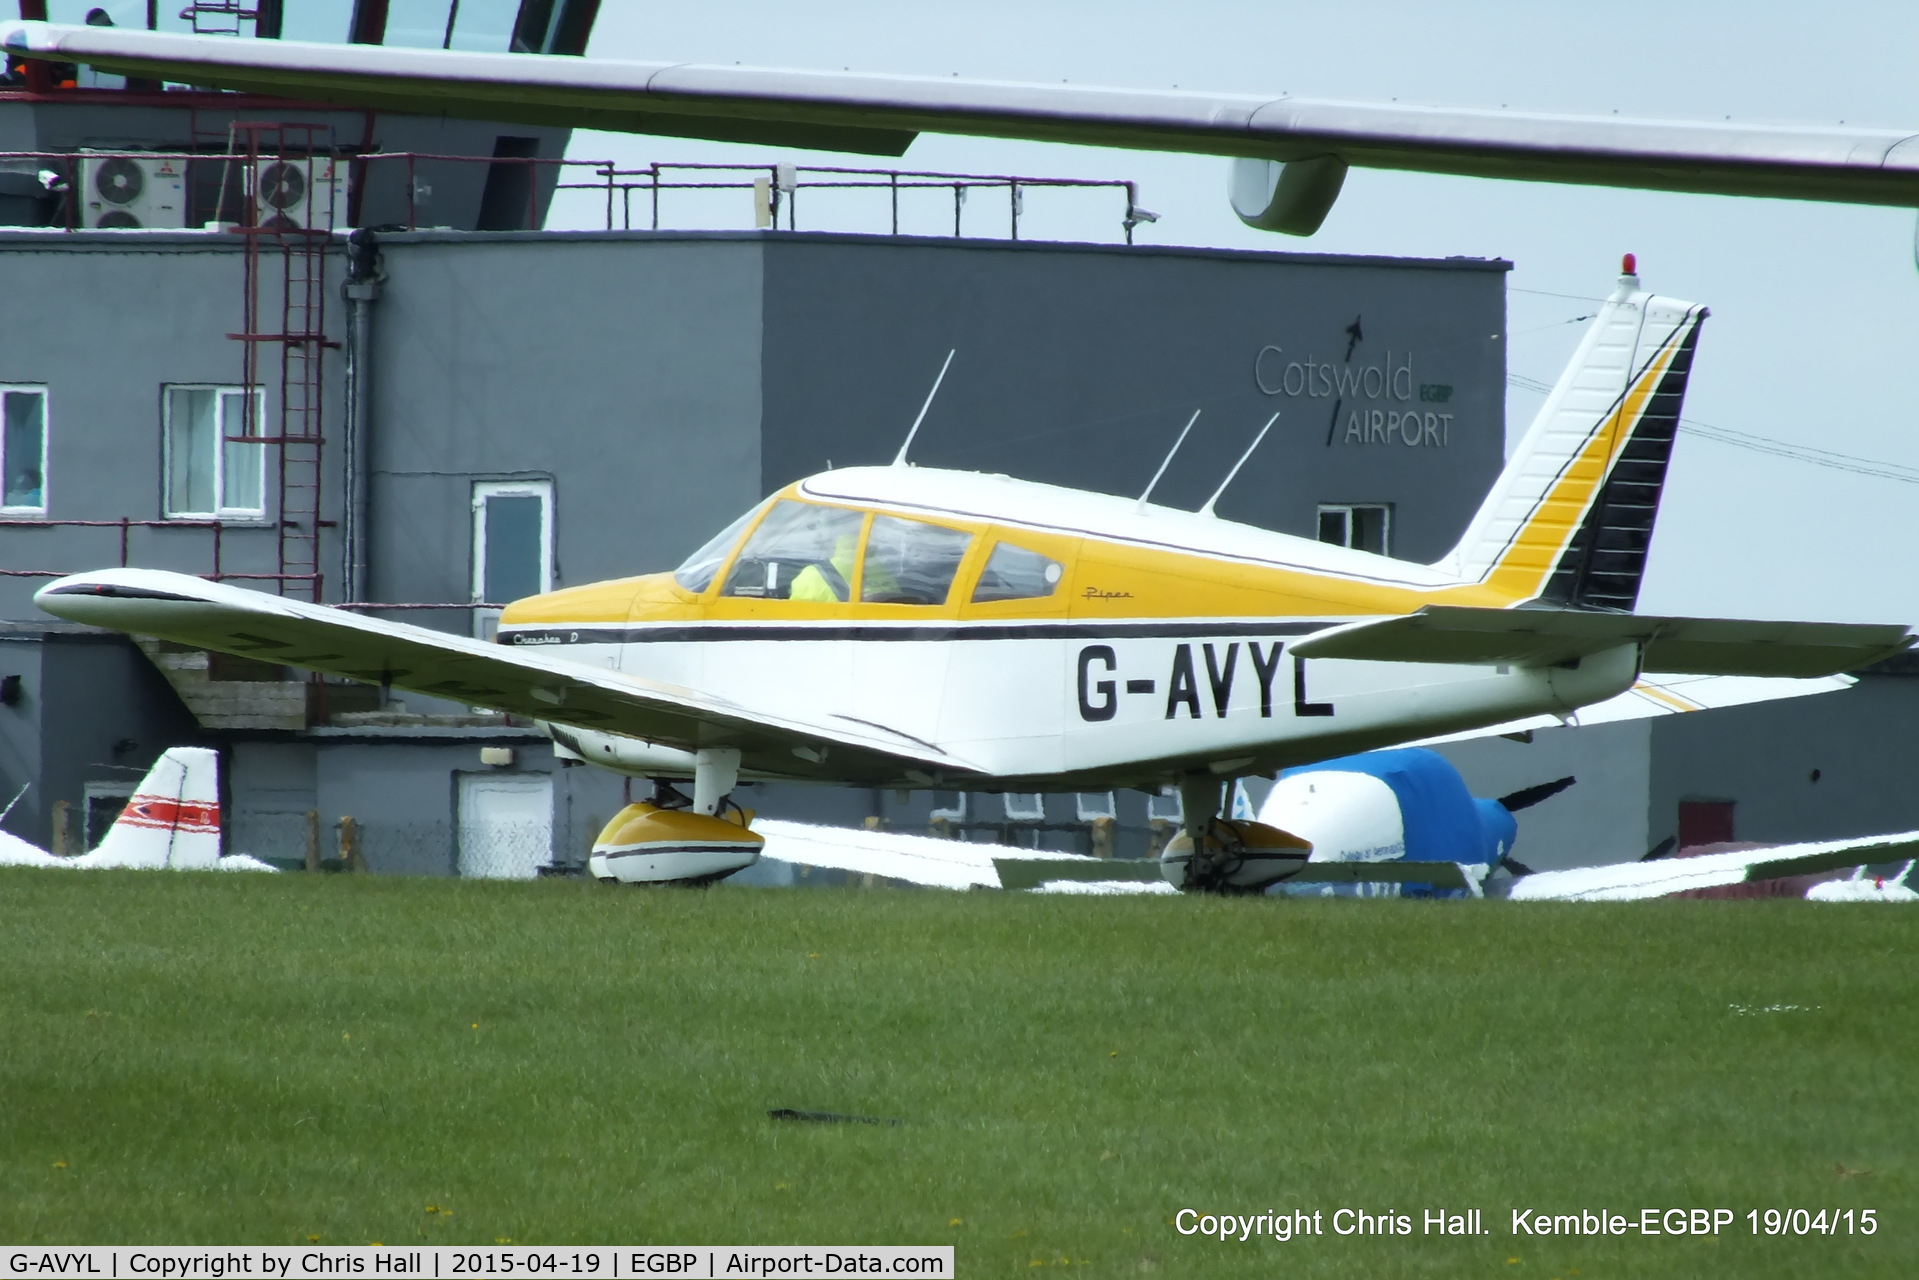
<point x="506" y="824"/>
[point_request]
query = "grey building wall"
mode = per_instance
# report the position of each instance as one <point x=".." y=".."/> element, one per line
<point x="105" y="321"/>
<point x="1078" y="365"/>
<point x="624" y="371"/>
<point x="1861" y="742"/>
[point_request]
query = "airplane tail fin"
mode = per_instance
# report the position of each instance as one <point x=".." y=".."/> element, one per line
<point x="1570" y="519"/>
<point x="173" y="819"/>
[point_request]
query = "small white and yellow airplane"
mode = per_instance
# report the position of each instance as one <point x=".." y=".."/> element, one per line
<point x="906" y="627"/>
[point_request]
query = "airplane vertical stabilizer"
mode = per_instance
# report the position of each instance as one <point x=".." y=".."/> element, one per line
<point x="173" y="819"/>
<point x="1570" y="519"/>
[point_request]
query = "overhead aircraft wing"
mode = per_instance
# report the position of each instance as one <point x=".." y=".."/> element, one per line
<point x="1652" y="696"/>
<point x="1545" y="637"/>
<point x="1626" y="881"/>
<point x="880" y="115"/>
<point x="523" y="681"/>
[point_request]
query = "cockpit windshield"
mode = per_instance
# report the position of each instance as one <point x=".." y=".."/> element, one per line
<point x="799" y="552"/>
<point x="696" y="574"/>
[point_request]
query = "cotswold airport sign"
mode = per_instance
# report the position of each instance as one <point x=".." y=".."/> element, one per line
<point x="1367" y="398"/>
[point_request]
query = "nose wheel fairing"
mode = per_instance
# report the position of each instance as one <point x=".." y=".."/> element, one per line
<point x="1233" y="857"/>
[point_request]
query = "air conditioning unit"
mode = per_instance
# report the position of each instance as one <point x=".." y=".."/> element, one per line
<point x="132" y="192"/>
<point x="299" y="191"/>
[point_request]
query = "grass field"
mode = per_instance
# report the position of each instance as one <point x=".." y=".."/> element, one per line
<point x="252" y="1059"/>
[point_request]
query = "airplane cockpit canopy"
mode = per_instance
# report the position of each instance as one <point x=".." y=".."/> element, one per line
<point x="826" y="554"/>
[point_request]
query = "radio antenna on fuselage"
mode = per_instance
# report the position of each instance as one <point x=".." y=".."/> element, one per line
<point x="1207" y="510"/>
<point x="900" y="459"/>
<point x="1166" y="462"/>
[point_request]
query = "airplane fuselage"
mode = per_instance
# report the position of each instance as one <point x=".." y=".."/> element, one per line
<point x="1042" y="637"/>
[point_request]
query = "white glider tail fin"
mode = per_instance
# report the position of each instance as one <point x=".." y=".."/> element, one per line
<point x="173" y="820"/>
<point x="1570" y="519"/>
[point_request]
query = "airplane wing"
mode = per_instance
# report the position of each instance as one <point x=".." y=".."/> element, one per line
<point x="1628" y="881"/>
<point x="943" y="864"/>
<point x="526" y="682"/>
<point x="1659" y="696"/>
<point x="1545" y="637"/>
<point x="880" y="115"/>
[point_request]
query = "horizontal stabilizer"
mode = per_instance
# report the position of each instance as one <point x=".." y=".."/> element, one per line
<point x="1550" y="637"/>
<point x="1664" y="696"/>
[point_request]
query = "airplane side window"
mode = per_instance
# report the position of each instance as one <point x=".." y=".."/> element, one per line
<point x="911" y="562"/>
<point x="696" y="574"/>
<point x="1014" y="573"/>
<point x="799" y="552"/>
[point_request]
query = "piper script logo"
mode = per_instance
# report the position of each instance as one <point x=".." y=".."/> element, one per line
<point x="1357" y="390"/>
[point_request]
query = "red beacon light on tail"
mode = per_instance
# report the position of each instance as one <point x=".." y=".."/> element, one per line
<point x="1629" y="265"/>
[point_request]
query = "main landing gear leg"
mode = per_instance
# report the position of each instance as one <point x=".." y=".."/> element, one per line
<point x="716" y="770"/>
<point x="1200" y="802"/>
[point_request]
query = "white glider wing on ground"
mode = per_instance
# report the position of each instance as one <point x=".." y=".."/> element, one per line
<point x="1860" y="887"/>
<point x="882" y="114"/>
<point x="925" y="860"/>
<point x="1629" y="881"/>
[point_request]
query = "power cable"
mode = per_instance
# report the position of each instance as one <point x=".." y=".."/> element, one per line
<point x="1852" y="463"/>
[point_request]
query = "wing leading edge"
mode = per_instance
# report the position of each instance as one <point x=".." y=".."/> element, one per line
<point x="526" y="682"/>
<point x="880" y="115"/>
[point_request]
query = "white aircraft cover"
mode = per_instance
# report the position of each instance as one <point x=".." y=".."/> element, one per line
<point x="881" y="114"/>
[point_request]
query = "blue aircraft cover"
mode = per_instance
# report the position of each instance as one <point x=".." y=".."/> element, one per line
<point x="1441" y="820"/>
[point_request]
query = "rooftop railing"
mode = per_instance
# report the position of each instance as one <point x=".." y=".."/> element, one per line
<point x="395" y="189"/>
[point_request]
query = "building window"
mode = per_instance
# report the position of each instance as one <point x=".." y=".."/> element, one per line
<point x="23" y="448"/>
<point x="209" y="474"/>
<point x="1090" y="806"/>
<point x="1363" y="526"/>
<point x="1022" y="806"/>
<point x="512" y="540"/>
<point x="949" y="806"/>
<point x="1166" y="806"/>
